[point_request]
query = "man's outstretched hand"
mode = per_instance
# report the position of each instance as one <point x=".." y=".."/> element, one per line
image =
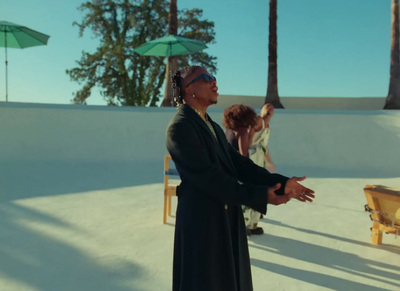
<point x="293" y="189"/>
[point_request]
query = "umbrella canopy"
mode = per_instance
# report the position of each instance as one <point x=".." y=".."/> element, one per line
<point x="170" y="45"/>
<point x="18" y="36"/>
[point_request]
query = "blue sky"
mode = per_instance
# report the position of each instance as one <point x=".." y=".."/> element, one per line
<point x="326" y="48"/>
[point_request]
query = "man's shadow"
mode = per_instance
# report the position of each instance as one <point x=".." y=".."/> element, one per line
<point x="327" y="258"/>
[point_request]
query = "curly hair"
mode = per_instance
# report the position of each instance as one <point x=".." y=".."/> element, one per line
<point x="177" y="78"/>
<point x="239" y="115"/>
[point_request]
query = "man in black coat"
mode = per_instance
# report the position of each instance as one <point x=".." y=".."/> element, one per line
<point x="211" y="251"/>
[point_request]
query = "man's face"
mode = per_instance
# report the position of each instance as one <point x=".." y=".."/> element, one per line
<point x="203" y="86"/>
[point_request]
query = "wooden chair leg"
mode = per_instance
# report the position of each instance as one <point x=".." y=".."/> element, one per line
<point x="169" y="205"/>
<point x="376" y="234"/>
<point x="165" y="209"/>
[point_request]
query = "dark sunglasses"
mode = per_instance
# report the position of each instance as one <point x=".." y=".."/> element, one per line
<point x="206" y="77"/>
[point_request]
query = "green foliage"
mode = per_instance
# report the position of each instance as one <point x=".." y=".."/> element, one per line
<point x="124" y="77"/>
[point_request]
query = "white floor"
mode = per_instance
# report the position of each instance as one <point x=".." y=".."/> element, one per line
<point x="114" y="240"/>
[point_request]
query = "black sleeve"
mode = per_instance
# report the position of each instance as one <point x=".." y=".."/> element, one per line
<point x="197" y="163"/>
<point x="249" y="172"/>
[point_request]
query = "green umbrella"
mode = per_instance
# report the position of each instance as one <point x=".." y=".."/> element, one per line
<point x="170" y="45"/>
<point x="18" y="36"/>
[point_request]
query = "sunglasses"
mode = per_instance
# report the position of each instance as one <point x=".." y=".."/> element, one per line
<point x="206" y="77"/>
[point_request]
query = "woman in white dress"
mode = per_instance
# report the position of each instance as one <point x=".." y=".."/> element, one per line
<point x="249" y="134"/>
<point x="258" y="151"/>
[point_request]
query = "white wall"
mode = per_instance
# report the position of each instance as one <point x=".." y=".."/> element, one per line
<point x="80" y="133"/>
<point x="337" y="143"/>
<point x="315" y="103"/>
<point x="95" y="147"/>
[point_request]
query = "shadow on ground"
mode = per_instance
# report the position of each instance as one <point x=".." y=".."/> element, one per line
<point x="325" y="257"/>
<point x="21" y="180"/>
<point x="39" y="260"/>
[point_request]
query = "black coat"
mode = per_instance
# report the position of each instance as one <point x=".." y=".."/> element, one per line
<point x="211" y="251"/>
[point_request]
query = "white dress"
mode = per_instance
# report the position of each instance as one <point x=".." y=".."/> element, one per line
<point x="259" y="148"/>
<point x="257" y="152"/>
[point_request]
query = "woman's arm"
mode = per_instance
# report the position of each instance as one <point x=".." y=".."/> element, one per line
<point x="270" y="166"/>
<point x="243" y="137"/>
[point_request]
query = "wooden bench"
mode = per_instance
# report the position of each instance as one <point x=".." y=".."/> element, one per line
<point x="384" y="207"/>
<point x="171" y="181"/>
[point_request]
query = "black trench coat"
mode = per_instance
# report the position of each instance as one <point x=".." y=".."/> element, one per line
<point x="210" y="249"/>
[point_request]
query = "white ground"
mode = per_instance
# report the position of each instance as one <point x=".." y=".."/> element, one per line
<point x="97" y="225"/>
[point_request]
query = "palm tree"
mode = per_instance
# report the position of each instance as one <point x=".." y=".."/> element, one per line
<point x="272" y="89"/>
<point x="393" y="98"/>
<point x="171" y="61"/>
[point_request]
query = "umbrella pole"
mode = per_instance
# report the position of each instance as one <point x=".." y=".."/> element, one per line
<point x="5" y="41"/>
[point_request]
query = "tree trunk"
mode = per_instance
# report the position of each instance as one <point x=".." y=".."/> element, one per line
<point x="171" y="61"/>
<point x="272" y="88"/>
<point x="393" y="98"/>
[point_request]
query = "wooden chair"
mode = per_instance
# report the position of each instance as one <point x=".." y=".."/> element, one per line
<point x="170" y="185"/>
<point x="384" y="206"/>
